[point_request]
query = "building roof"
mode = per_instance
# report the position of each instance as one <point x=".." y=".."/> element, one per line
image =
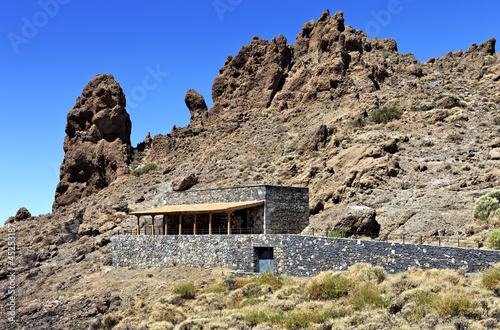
<point x="199" y="208"/>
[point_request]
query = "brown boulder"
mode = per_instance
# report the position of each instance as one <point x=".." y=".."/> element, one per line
<point x="349" y="219"/>
<point x="97" y="143"/>
<point x="22" y="214"/>
<point x="184" y="183"/>
<point x="447" y="102"/>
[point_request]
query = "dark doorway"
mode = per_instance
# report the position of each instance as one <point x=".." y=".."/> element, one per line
<point x="264" y="259"/>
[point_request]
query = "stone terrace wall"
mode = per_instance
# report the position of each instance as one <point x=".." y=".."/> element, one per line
<point x="294" y="255"/>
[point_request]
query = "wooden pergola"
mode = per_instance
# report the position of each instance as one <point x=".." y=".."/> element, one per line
<point x="193" y="209"/>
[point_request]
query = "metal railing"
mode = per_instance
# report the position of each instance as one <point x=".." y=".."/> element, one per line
<point x="146" y="230"/>
<point x="451" y="241"/>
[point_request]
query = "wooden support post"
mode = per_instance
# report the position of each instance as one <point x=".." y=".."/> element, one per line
<point x="210" y="224"/>
<point x="165" y="225"/>
<point x="138" y="232"/>
<point x="152" y="225"/>
<point x="180" y="224"/>
<point x="194" y="227"/>
<point x="229" y="223"/>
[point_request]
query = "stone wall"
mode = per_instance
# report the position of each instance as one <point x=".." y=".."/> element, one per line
<point x="294" y="255"/>
<point x="287" y="210"/>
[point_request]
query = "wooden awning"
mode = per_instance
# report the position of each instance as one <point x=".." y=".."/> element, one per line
<point x="199" y="208"/>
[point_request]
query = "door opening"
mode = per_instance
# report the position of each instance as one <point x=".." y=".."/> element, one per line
<point x="264" y="259"/>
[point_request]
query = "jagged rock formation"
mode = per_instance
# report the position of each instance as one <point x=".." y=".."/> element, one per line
<point x="472" y="64"/>
<point x="197" y="107"/>
<point x="252" y="77"/>
<point x="97" y="143"/>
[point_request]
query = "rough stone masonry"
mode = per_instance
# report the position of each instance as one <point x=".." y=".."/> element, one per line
<point x="295" y="255"/>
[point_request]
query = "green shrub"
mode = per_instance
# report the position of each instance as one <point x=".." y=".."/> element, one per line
<point x="336" y="233"/>
<point x="385" y="114"/>
<point x="274" y="281"/>
<point x="218" y="288"/>
<point x="368" y="294"/>
<point x="186" y="290"/>
<point x="144" y="169"/>
<point x="293" y="319"/>
<point x="358" y="121"/>
<point x="441" y="95"/>
<point x="452" y="305"/>
<point x="486" y="205"/>
<point x="494" y="238"/>
<point x="443" y="304"/>
<point x="490" y="278"/>
<point x="329" y="286"/>
<point x="423" y="106"/>
<point x="423" y="302"/>
<point x="454" y="137"/>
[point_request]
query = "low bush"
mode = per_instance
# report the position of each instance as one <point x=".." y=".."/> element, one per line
<point x="358" y="121"/>
<point x="328" y="286"/>
<point x="186" y="290"/>
<point x="218" y="288"/>
<point x="454" y="137"/>
<point x="441" y="95"/>
<point x="424" y="106"/>
<point x="490" y="278"/>
<point x="274" y="281"/>
<point x="486" y="205"/>
<point x="368" y="294"/>
<point x="452" y="305"/>
<point x="336" y="233"/>
<point x="494" y="239"/>
<point x="364" y="272"/>
<point x="144" y="169"/>
<point x="385" y="114"/>
<point x="296" y="319"/>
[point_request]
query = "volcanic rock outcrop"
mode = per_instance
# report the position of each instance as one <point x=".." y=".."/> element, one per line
<point x="97" y="143"/>
<point x="197" y="107"/>
<point x="471" y="64"/>
<point x="251" y="78"/>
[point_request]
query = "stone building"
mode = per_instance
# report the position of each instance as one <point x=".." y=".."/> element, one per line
<point x="262" y="209"/>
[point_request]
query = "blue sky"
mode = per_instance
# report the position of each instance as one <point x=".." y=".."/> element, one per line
<point x="49" y="50"/>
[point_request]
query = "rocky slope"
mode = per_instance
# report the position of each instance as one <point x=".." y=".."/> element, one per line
<point x="299" y="114"/>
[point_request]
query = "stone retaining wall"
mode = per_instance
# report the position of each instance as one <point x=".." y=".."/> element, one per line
<point x="294" y="255"/>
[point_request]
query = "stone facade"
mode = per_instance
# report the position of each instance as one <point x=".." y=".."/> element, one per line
<point x="294" y="255"/>
<point x="285" y="209"/>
